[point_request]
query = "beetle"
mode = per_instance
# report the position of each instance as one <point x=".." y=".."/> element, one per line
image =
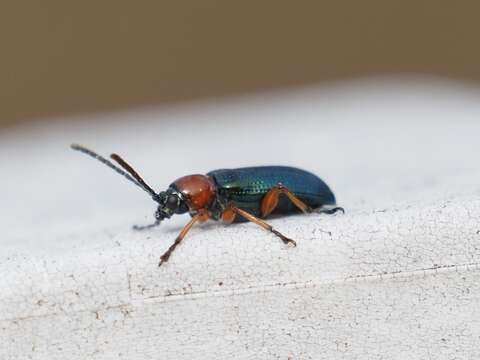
<point x="231" y="195"/>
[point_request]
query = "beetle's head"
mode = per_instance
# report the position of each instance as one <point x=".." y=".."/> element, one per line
<point x="169" y="202"/>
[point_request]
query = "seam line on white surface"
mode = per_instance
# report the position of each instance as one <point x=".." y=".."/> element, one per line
<point x="137" y="302"/>
<point x="312" y="284"/>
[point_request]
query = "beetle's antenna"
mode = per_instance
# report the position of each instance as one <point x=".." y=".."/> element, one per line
<point x="132" y="172"/>
<point x="133" y="179"/>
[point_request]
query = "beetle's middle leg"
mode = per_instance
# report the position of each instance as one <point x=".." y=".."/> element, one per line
<point x="230" y="213"/>
<point x="270" y="200"/>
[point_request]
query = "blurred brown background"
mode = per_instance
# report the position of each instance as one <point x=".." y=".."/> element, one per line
<point x="65" y="57"/>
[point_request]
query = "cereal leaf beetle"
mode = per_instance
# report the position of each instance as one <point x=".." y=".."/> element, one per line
<point x="232" y="195"/>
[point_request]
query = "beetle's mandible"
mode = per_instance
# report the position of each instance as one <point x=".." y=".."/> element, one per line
<point x="232" y="195"/>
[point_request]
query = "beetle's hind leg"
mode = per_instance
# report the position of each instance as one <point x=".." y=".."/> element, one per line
<point x="270" y="200"/>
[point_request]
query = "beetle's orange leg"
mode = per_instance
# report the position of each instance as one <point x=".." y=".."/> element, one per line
<point x="202" y="215"/>
<point x="229" y="214"/>
<point x="270" y="200"/>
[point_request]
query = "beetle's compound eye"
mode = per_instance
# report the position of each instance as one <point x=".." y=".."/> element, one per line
<point x="172" y="202"/>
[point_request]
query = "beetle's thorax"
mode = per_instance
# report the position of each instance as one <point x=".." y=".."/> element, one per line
<point x="198" y="191"/>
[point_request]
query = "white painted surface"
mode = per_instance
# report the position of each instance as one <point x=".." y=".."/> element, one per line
<point x="397" y="279"/>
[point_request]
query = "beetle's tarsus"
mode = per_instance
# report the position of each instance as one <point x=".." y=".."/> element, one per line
<point x="285" y="239"/>
<point x="166" y="254"/>
<point x="330" y="211"/>
<point x="291" y="242"/>
<point x="164" y="257"/>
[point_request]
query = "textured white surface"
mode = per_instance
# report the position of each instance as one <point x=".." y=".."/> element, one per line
<point x="397" y="279"/>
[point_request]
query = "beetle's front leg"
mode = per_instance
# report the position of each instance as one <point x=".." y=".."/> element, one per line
<point x="201" y="215"/>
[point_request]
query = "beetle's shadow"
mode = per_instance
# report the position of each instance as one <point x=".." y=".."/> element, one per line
<point x="177" y="228"/>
